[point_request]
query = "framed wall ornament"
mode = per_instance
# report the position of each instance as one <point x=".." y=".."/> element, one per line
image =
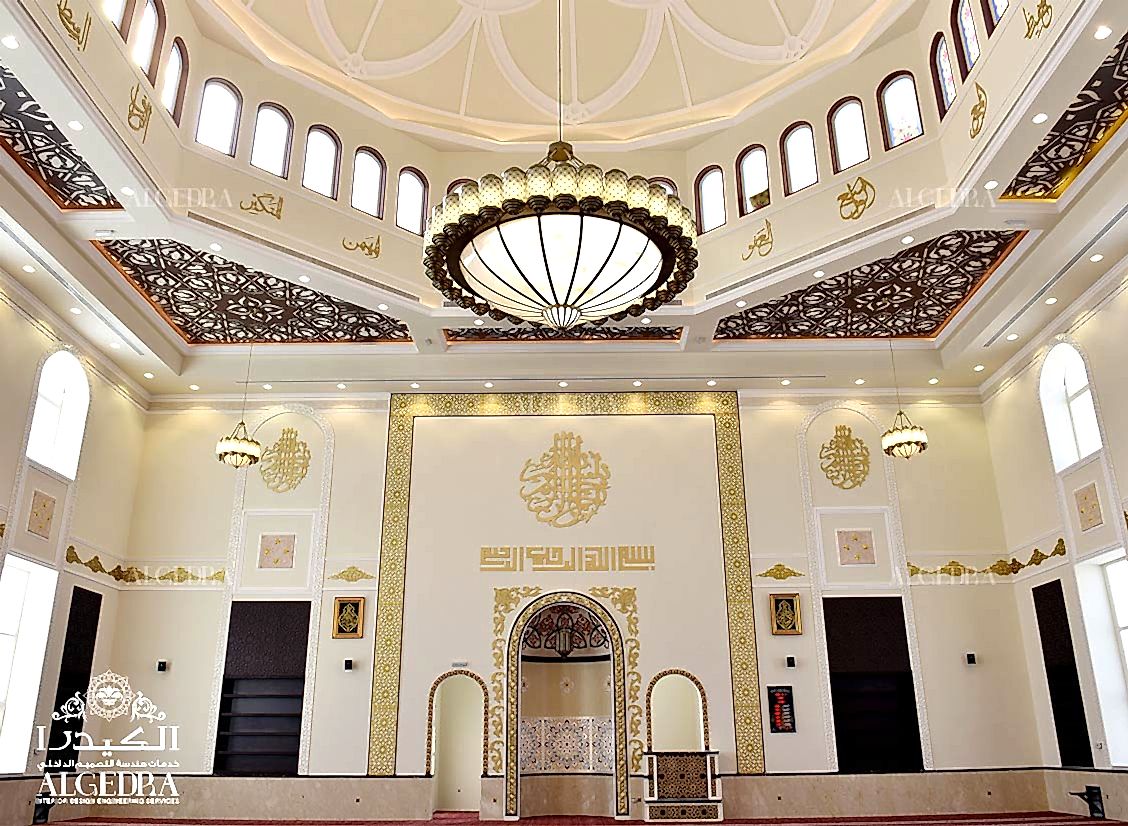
<point x="348" y="618"/>
<point x="786" y="615"/>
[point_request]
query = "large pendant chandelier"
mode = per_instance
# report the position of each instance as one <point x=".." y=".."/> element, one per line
<point x="239" y="449"/>
<point x="561" y="242"/>
<point x="904" y="439"/>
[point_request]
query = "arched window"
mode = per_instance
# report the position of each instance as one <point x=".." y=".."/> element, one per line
<point x="848" y="144"/>
<point x="322" y="161"/>
<point x="967" y="41"/>
<point x="800" y="169"/>
<point x="752" y="188"/>
<point x="1067" y="406"/>
<point x="175" y="80"/>
<point x="147" y="38"/>
<point x="411" y="200"/>
<point x="218" y="124"/>
<point x="59" y="419"/>
<point x="669" y="186"/>
<point x="368" y="182"/>
<point x="457" y="182"/>
<point x="900" y="111"/>
<point x="943" y="78"/>
<point x="274" y="133"/>
<point x="993" y="11"/>
<point x="115" y="12"/>
<point x="709" y="192"/>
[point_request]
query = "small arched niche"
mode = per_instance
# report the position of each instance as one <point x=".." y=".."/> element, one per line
<point x="676" y="713"/>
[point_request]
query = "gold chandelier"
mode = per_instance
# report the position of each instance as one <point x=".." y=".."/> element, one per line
<point x="240" y="449"/>
<point x="904" y="439"/>
<point x="561" y="242"/>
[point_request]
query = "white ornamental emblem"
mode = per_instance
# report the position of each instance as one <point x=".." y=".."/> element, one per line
<point x="109" y="696"/>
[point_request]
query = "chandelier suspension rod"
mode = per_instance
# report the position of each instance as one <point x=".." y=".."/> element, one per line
<point x="560" y="70"/>
<point x="247" y="381"/>
<point x="896" y="386"/>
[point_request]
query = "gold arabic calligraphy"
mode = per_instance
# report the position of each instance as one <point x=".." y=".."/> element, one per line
<point x="267" y="203"/>
<point x="79" y="34"/>
<point x="369" y="245"/>
<point x="762" y="243"/>
<point x="1037" y="23"/>
<point x="285" y="463"/>
<point x="140" y="111"/>
<point x="845" y="459"/>
<point x="566" y="485"/>
<point x="548" y="558"/>
<point x="858" y="197"/>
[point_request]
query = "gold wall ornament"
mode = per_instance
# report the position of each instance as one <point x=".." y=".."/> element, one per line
<point x="285" y="463"/>
<point x="566" y="485"/>
<point x="625" y="601"/>
<point x="505" y="601"/>
<point x="140" y="111"/>
<point x="131" y="575"/>
<point x="348" y="618"/>
<point x="264" y="203"/>
<point x="369" y="246"/>
<point x="845" y="459"/>
<point x="78" y="32"/>
<point x="978" y="111"/>
<point x="547" y="558"/>
<point x="1000" y="567"/>
<point x="786" y="615"/>
<point x="858" y="197"/>
<point x="352" y="574"/>
<point x="1037" y="23"/>
<point x="779" y="572"/>
<point x="762" y="242"/>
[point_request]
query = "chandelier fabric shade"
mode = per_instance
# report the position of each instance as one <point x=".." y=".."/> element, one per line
<point x="560" y="243"/>
<point x="238" y="449"/>
<point x="904" y="439"/>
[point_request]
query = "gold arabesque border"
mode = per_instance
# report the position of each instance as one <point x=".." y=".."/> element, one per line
<point x="405" y="408"/>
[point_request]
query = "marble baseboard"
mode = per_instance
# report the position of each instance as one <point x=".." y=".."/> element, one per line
<point x="17" y="799"/>
<point x="1114" y="785"/>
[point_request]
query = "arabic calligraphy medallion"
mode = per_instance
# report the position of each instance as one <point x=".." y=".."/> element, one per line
<point x="566" y="485"/>
<point x="285" y="463"/>
<point x="845" y="459"/>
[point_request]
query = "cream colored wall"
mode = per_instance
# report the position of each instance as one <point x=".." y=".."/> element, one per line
<point x="458" y="745"/>
<point x="24" y="348"/>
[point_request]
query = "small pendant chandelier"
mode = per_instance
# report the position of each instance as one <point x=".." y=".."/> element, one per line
<point x="239" y="449"/>
<point x="903" y="439"/>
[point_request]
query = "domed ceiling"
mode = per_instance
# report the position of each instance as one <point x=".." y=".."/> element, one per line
<point x="654" y="69"/>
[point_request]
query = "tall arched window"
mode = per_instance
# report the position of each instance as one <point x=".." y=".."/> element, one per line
<point x="752" y="188"/>
<point x="274" y="133"/>
<point x="368" y="182"/>
<point x="147" y="38"/>
<point x="59" y="419"/>
<point x="800" y="169"/>
<point x="411" y="200"/>
<point x="943" y="78"/>
<point x="322" y="161"/>
<point x="993" y="11"/>
<point x="115" y="12"/>
<point x="900" y="110"/>
<point x="709" y="199"/>
<point x="1067" y="406"/>
<point x="218" y="124"/>
<point x="967" y="41"/>
<point x="848" y="143"/>
<point x="669" y="186"/>
<point x="175" y="80"/>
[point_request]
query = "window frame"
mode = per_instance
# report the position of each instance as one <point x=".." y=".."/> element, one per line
<point x="282" y="110"/>
<point x="742" y="206"/>
<point x="883" y="114"/>
<point x="943" y="106"/>
<point x="129" y="9"/>
<point x="153" y="69"/>
<point x="833" y="134"/>
<point x="786" y="164"/>
<point x="1064" y="399"/>
<point x="697" y="198"/>
<point x="369" y="150"/>
<point x="411" y="170"/>
<point x="237" y="126"/>
<point x="457" y="182"/>
<point x="181" y="83"/>
<point x="962" y="57"/>
<point x="1120" y="629"/>
<point x="80" y="385"/>
<point x="337" y="153"/>
<point x="666" y="183"/>
<point x="990" y="22"/>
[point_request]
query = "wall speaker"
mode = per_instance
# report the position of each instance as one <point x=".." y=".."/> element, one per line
<point x="348" y="665"/>
<point x="970" y="657"/>
<point x="790" y="661"/>
<point x="162" y="665"/>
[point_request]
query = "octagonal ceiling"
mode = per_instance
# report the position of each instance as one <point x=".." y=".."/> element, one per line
<point x="632" y="69"/>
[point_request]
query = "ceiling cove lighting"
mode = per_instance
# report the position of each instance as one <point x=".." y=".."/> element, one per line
<point x="562" y="242"/>
<point x="904" y="439"/>
<point x="239" y="449"/>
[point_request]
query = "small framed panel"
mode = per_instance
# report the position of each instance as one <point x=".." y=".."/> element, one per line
<point x="1088" y="503"/>
<point x="348" y="618"/>
<point x="781" y="709"/>
<point x="41" y="514"/>
<point x="855" y="547"/>
<point x="785" y="614"/>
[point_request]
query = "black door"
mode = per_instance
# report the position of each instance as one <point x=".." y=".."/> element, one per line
<point x="1061" y="676"/>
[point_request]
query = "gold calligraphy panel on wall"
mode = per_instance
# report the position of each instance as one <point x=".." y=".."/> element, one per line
<point x="845" y="459"/>
<point x="590" y="558"/>
<point x="285" y="463"/>
<point x="566" y="485"/>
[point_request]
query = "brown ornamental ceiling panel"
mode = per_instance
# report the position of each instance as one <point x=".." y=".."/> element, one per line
<point x="582" y="333"/>
<point x="1079" y="134"/>
<point x="912" y="294"/>
<point x="210" y="300"/>
<point x="35" y="143"/>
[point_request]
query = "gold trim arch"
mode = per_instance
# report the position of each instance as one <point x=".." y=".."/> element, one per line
<point x="513" y="697"/>
<point x="458" y="672"/>
<point x="402" y="412"/>
<point x="704" y="705"/>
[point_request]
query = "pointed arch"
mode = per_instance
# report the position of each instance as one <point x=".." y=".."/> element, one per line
<point x="458" y="672"/>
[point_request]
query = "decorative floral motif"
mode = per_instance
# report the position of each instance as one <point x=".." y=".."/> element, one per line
<point x="210" y="300"/>
<point x="276" y="550"/>
<point x="1000" y="567"/>
<point x="779" y="572"/>
<point x="352" y="574"/>
<point x="912" y="294"/>
<point x="585" y="332"/>
<point x="561" y="630"/>
<point x="567" y="745"/>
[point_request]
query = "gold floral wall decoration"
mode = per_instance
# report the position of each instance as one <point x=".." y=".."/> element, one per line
<point x="978" y="111"/>
<point x="285" y="463"/>
<point x="858" y="197"/>
<point x="140" y="111"/>
<point x="845" y="459"/>
<point x="352" y="574"/>
<point x="1000" y="567"/>
<point x="506" y="601"/>
<point x="131" y="575"/>
<point x="625" y="601"/>
<point x="762" y="242"/>
<point x="264" y="203"/>
<point x="779" y="572"/>
<point x="1037" y="23"/>
<point x="566" y="485"/>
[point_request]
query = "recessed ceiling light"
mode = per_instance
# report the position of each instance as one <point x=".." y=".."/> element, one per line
<point x="10" y="41"/>
<point x="819" y="273"/>
<point x="561" y="384"/>
<point x="1012" y="337"/>
<point x="341" y="385"/>
<point x="75" y="311"/>
<point x="1101" y="33"/>
<point x="268" y="387"/>
<point x="637" y="383"/>
<point x="1096" y="257"/>
<point x="414" y="385"/>
<point x="127" y="191"/>
<point x="116" y="345"/>
<point x="214" y="247"/>
<point x="742" y="303"/>
<point x="786" y="382"/>
<point x="859" y="382"/>
<point x="646" y="319"/>
<point x="488" y="385"/>
<point x="304" y="279"/>
<point x="712" y="382"/>
<point x="28" y="268"/>
<point x="934" y="380"/>
<point x="908" y="239"/>
<point x="1051" y="301"/>
<point x="193" y="387"/>
<point x="991" y="184"/>
<point x="103" y="233"/>
<point x="381" y="307"/>
<point x="979" y="368"/>
<point x="75" y="125"/>
<point x="478" y="322"/>
<point x="148" y="375"/>
<point x="1041" y="117"/>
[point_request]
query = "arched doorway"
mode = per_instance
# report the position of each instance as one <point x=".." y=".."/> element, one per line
<point x="677" y="713"/>
<point x="457" y="740"/>
<point x="566" y="742"/>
